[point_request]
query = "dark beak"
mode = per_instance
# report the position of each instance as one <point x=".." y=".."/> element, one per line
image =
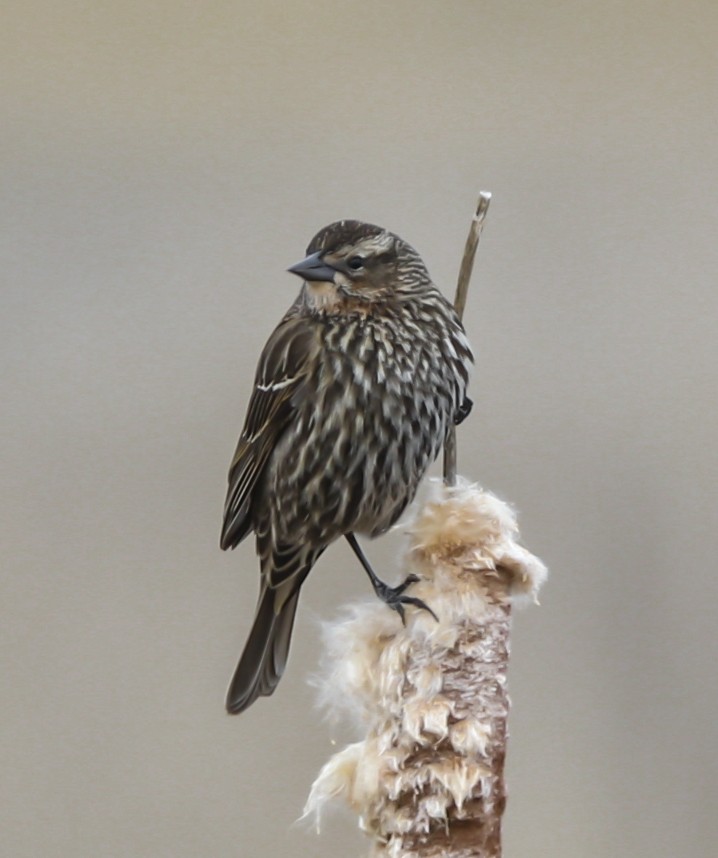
<point x="313" y="268"/>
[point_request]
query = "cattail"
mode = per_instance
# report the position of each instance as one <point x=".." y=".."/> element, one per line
<point x="430" y="698"/>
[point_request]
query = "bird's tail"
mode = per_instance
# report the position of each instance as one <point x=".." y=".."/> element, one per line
<point x="265" y="654"/>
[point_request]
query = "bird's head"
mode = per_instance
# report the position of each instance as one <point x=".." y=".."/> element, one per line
<point x="359" y="263"/>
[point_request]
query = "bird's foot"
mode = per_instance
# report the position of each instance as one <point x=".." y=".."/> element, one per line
<point x="394" y="597"/>
<point x="463" y="411"/>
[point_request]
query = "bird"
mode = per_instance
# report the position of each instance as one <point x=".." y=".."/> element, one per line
<point x="355" y="392"/>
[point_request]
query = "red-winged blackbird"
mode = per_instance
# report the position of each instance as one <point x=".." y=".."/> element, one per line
<point x="353" y="397"/>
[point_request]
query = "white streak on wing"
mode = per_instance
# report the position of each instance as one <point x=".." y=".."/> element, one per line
<point x="276" y="385"/>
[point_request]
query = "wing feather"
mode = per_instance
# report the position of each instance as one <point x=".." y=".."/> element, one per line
<point x="280" y="377"/>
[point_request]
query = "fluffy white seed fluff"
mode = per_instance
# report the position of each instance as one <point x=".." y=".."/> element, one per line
<point x="429" y="697"/>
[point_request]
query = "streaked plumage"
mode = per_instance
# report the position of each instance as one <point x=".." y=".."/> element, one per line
<point x="354" y="394"/>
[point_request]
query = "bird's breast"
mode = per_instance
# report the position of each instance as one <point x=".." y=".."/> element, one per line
<point x="379" y="403"/>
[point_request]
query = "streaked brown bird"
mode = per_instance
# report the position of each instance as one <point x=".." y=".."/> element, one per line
<point x="353" y="397"/>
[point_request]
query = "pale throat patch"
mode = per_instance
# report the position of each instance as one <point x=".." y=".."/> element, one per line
<point x="322" y="295"/>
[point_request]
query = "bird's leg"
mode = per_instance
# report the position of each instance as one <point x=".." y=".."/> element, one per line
<point x="392" y="596"/>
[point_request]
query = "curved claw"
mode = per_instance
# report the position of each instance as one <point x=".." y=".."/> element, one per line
<point x="418" y="603"/>
<point x="394" y="597"/>
<point x="463" y="411"/>
<point x="408" y="581"/>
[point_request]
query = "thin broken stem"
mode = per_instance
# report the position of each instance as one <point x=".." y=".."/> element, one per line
<point x="462" y="288"/>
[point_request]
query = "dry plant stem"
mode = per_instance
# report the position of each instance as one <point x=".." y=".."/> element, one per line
<point x="430" y="698"/>
<point x="462" y="288"/>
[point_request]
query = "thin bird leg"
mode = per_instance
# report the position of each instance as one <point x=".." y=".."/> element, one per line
<point x="392" y="596"/>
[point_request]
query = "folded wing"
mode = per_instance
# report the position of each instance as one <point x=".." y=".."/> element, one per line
<point x="278" y="385"/>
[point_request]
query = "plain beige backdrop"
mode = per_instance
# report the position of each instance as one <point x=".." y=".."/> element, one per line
<point x="162" y="165"/>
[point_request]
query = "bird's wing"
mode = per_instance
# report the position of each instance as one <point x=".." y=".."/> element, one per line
<point x="278" y="385"/>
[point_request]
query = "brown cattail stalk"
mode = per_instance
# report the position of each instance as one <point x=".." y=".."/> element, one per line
<point x="427" y="778"/>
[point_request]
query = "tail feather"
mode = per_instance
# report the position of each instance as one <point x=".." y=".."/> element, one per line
<point x="265" y="654"/>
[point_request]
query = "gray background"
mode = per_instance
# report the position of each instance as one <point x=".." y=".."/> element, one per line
<point x="163" y="163"/>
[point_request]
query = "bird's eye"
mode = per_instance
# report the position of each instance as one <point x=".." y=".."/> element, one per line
<point x="355" y="262"/>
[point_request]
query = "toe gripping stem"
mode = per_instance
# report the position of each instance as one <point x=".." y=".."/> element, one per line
<point x="394" y="597"/>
